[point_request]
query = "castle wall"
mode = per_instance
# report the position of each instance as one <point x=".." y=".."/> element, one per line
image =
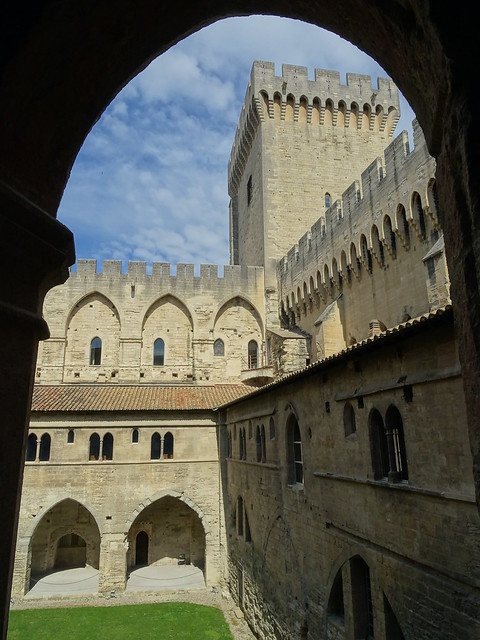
<point x="340" y="520"/>
<point x="369" y="250"/>
<point x="129" y="311"/>
<point x="305" y="138"/>
<point x="106" y="501"/>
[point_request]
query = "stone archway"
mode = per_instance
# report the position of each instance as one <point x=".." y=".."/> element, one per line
<point x="166" y="535"/>
<point x="66" y="537"/>
<point x="49" y="108"/>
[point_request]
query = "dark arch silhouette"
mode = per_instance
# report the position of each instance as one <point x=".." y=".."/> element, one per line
<point x="52" y="112"/>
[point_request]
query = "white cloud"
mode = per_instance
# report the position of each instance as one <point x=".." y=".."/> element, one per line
<point x="150" y="182"/>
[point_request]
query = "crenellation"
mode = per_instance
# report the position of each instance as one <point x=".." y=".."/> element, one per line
<point x="112" y="268"/>
<point x="137" y="269"/>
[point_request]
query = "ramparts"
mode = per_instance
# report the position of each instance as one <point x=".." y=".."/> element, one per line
<point x="383" y="201"/>
<point x="325" y="93"/>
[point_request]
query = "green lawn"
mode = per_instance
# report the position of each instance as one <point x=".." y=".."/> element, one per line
<point x="168" y="621"/>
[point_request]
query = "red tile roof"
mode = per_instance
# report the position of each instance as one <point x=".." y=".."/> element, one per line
<point x="133" y="397"/>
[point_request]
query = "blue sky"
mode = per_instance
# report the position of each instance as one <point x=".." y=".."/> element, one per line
<point x="150" y="181"/>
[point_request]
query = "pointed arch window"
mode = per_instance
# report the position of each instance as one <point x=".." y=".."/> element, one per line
<point x="107" y="447"/>
<point x="252" y="354"/>
<point x="155" y="446"/>
<point x="31" y="453"/>
<point x="328" y="201"/>
<point x="44" y="450"/>
<point x="94" y="449"/>
<point x="168" y="445"/>
<point x="96" y="351"/>
<point x="397" y="454"/>
<point x="71" y="436"/>
<point x="218" y="347"/>
<point x="135" y="436"/>
<point x="158" y="353"/>
<point x="294" y="452"/>
<point x="378" y="445"/>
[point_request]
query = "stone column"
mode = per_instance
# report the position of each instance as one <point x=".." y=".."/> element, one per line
<point x="36" y="252"/>
<point x="113" y="564"/>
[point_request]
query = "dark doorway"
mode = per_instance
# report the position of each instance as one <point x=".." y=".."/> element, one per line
<point x="141" y="548"/>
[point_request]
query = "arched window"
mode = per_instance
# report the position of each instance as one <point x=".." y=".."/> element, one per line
<point x="349" y="424"/>
<point x="378" y="445"/>
<point x="218" y="348"/>
<point x="272" y="428"/>
<point x="158" y="353"/>
<point x="168" y="445"/>
<point x="96" y="351"/>
<point x="294" y="452"/>
<point x="263" y="442"/>
<point x="44" y="450"/>
<point x="31" y="452"/>
<point x="155" y="446"/>
<point x="240" y="516"/>
<point x="328" y="201"/>
<point x="71" y="436"/>
<point x="107" y="447"/>
<point x="135" y="436"/>
<point x="396" y="445"/>
<point x="258" y="443"/>
<point x="252" y="354"/>
<point x="94" y="450"/>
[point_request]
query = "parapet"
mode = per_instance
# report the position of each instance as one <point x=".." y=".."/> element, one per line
<point x="378" y="104"/>
<point x="363" y="204"/>
<point x="163" y="273"/>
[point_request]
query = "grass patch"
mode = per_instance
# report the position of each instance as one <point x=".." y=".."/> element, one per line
<point x="167" y="620"/>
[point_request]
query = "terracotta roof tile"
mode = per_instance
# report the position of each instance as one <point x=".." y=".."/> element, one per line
<point x="133" y="397"/>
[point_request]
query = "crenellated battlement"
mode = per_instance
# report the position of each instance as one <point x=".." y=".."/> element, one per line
<point x="324" y="101"/>
<point x="163" y="273"/>
<point x="369" y="211"/>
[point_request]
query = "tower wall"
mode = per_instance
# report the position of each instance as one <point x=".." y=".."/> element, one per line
<point x="297" y="140"/>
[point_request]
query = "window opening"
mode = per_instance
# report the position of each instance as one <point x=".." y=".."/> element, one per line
<point x="94" y="450"/>
<point x="252" y="354"/>
<point x="96" y="351"/>
<point x="135" y="436"/>
<point x="158" y="353"/>
<point x="31" y="453"/>
<point x="44" y="450"/>
<point x="155" y="446"/>
<point x="294" y="453"/>
<point x="71" y="436"/>
<point x="107" y="447"/>
<point x="168" y="445"/>
<point x="218" y="348"/>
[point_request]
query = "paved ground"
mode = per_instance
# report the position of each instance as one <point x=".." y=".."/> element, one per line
<point x="167" y="583"/>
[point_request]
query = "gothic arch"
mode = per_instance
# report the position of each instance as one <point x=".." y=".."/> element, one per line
<point x="47" y="112"/>
<point x="165" y="299"/>
<point x="171" y="493"/>
<point x="84" y="299"/>
<point x="243" y="300"/>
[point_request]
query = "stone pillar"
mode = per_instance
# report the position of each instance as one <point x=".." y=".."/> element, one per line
<point x="36" y="252"/>
<point x="113" y="564"/>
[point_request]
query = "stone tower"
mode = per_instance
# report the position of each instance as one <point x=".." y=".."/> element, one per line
<point x="299" y="144"/>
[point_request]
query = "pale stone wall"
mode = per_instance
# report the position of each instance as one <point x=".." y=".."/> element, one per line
<point x="419" y="537"/>
<point x="108" y="501"/>
<point x="297" y="140"/>
<point x="129" y="311"/>
<point x="351" y="252"/>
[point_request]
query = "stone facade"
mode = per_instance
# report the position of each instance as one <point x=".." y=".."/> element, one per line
<point x="324" y="473"/>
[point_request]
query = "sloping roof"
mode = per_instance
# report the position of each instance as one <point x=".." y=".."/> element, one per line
<point x="100" y="397"/>
<point x="423" y="322"/>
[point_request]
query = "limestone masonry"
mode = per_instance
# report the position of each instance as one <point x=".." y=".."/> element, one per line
<point x="294" y="428"/>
